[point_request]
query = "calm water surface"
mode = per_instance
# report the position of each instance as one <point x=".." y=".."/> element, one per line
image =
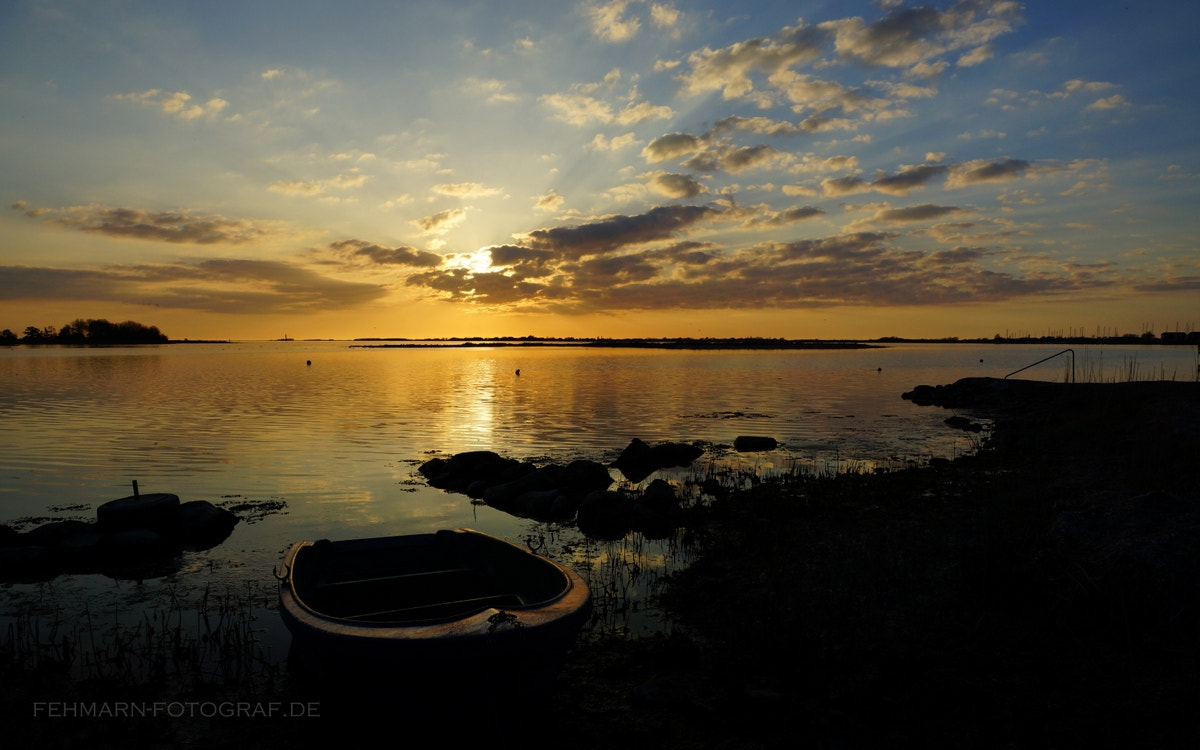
<point x="338" y="441"/>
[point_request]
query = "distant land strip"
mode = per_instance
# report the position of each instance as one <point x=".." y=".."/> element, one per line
<point x="1191" y="338"/>
<point x="635" y="343"/>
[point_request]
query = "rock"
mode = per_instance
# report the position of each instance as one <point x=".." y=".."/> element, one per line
<point x="203" y="524"/>
<point x="55" y="533"/>
<point x="81" y="551"/>
<point x="660" y="496"/>
<point x="639" y="460"/>
<point x="535" y="504"/>
<point x="133" y="546"/>
<point x="26" y="563"/>
<point x="534" y="481"/>
<point x="156" y="510"/>
<point x="463" y="469"/>
<point x="432" y="467"/>
<point x="604" y="514"/>
<point x="753" y="444"/>
<point x="582" y="477"/>
<point x="963" y="423"/>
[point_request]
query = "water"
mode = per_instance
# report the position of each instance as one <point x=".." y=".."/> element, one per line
<point x="337" y="442"/>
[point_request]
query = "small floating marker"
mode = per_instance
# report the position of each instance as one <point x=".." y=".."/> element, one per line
<point x="518" y="372"/>
<point x="308" y="362"/>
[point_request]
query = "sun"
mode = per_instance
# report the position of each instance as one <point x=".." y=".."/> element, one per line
<point x="479" y="261"/>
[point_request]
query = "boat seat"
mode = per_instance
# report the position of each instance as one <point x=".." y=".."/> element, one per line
<point x="440" y="609"/>
<point x="398" y="577"/>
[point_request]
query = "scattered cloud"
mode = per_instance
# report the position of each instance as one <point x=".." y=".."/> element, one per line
<point x="385" y="256"/>
<point x="550" y="201"/>
<point x="442" y="221"/>
<point x="177" y="103"/>
<point x="179" y="227"/>
<point x="465" y="190"/>
<point x="228" y="286"/>
<point x="610" y="22"/>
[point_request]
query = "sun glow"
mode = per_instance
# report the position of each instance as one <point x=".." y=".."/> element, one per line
<point x="479" y="261"/>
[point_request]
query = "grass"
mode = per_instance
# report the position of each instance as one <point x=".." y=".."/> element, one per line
<point x="71" y="679"/>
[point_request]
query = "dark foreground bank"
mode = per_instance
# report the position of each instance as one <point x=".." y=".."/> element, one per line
<point x="1043" y="593"/>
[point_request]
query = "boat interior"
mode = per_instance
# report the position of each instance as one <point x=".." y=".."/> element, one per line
<point x="443" y="575"/>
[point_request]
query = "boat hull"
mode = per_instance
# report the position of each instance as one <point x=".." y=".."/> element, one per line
<point x="455" y="605"/>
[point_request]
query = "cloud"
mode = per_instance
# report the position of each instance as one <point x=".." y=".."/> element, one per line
<point x="757" y="125"/>
<point x="676" y="185"/>
<point x="551" y="201"/>
<point x="580" y="107"/>
<point x="615" y="232"/>
<point x="442" y="221"/>
<point x="176" y="103"/>
<point x="734" y="159"/>
<point x="768" y="70"/>
<point x="920" y="212"/>
<point x="908" y="36"/>
<point x="956" y="255"/>
<point x="671" y="146"/>
<point x="977" y="56"/>
<point x="609" y="22"/>
<point x="664" y="16"/>
<point x="402" y="255"/>
<point x="908" y="179"/>
<point x="181" y="227"/>
<point x="766" y="218"/>
<point x="344" y="181"/>
<point x="601" y="267"/>
<point x="465" y="189"/>
<point x="730" y="69"/>
<point x="1116" y="101"/>
<point x="986" y="170"/>
<point x="849" y="185"/>
<point x="234" y="286"/>
<point x="495" y="90"/>
<point x="602" y="144"/>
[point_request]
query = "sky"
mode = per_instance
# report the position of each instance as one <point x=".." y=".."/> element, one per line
<point x="255" y="170"/>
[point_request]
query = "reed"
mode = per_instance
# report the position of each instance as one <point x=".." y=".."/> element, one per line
<point x="209" y="644"/>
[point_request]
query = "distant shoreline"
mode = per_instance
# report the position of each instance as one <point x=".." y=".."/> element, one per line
<point x="748" y="343"/>
<point x="731" y="343"/>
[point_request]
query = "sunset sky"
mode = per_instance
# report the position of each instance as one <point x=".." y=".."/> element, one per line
<point x="249" y="170"/>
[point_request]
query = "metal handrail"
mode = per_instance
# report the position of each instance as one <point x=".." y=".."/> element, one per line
<point x="1052" y="356"/>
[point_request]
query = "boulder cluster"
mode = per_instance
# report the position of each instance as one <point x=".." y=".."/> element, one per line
<point x="132" y="537"/>
<point x="580" y="490"/>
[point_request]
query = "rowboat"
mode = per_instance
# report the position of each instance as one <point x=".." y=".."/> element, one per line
<point x="454" y="604"/>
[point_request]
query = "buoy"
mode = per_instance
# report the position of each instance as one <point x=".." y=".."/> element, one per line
<point x="518" y="372"/>
<point x="308" y="362"/>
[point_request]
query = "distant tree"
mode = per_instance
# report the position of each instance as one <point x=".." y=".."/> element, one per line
<point x="94" y="331"/>
<point x="74" y="332"/>
<point x="8" y="338"/>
